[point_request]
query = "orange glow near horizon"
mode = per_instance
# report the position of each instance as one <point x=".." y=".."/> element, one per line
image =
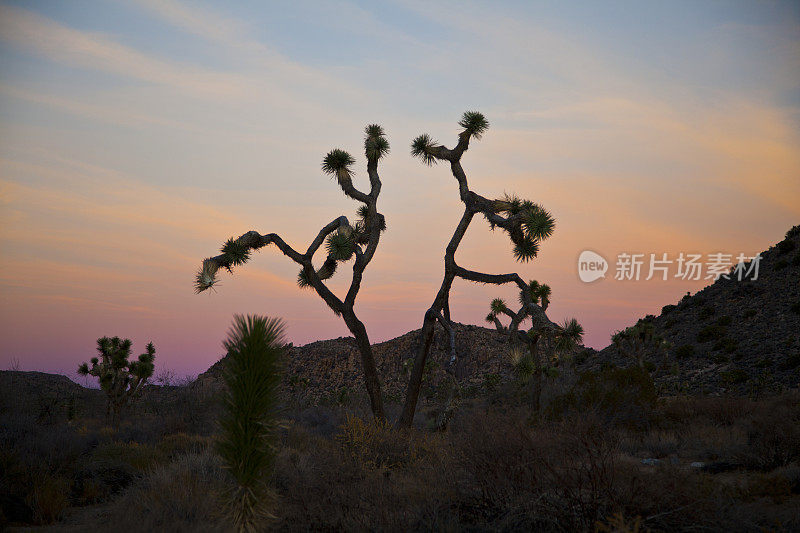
<point x="123" y="165"/>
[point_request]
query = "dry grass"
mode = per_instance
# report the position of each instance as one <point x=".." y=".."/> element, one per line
<point x="498" y="467"/>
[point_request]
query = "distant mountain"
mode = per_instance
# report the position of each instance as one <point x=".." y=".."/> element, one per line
<point x="734" y="336"/>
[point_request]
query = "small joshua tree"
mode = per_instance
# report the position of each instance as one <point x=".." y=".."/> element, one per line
<point x="534" y="354"/>
<point x="343" y="242"/>
<point x="122" y="380"/>
<point x="525" y="222"/>
<point x="249" y="422"/>
<point x="634" y="341"/>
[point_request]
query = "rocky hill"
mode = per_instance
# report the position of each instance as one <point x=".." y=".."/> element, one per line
<point x="732" y="336"/>
<point x="330" y="370"/>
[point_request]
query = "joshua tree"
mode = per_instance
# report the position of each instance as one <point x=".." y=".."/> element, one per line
<point x="525" y="222"/>
<point x="249" y="420"/>
<point x="533" y="353"/>
<point x="122" y="380"/>
<point x="635" y="340"/>
<point x="342" y="240"/>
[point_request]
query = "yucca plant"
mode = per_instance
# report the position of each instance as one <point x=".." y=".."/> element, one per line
<point x="526" y="223"/>
<point x="121" y="379"/>
<point x="249" y="419"/>
<point x="343" y="242"/>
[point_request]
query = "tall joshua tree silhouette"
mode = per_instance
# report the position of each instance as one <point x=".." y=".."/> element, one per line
<point x="526" y="224"/>
<point x="342" y="240"/>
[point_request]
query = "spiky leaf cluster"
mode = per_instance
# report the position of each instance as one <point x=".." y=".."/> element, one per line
<point x="525" y="249"/>
<point x="302" y="279"/>
<point x="249" y="421"/>
<point x="235" y="252"/>
<point x="341" y="244"/>
<point x="422" y="147"/>
<point x="474" y="123"/>
<point x="206" y="278"/>
<point x="498" y="306"/>
<point x="539" y="294"/>
<point x="569" y="337"/>
<point x="337" y="163"/>
<point x="530" y="224"/>
<point x="363" y="215"/>
<point x="375" y="143"/>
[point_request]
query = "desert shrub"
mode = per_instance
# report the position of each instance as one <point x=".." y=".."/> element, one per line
<point x="490" y="382"/>
<point x="668" y="308"/>
<point x="750" y="313"/>
<point x="780" y="264"/>
<point x="793" y="232"/>
<point x="710" y="333"/>
<point x="375" y="443"/>
<point x="687" y="350"/>
<point x="726" y="345"/>
<point x="792" y="361"/>
<point x="180" y="443"/>
<point x="724" y="320"/>
<point x="796" y="260"/>
<point x="182" y="496"/>
<point x="771" y="486"/>
<point x="735" y="376"/>
<point x="719" y="359"/>
<point x="773" y="436"/>
<point x="706" y="312"/>
<point x="138" y="456"/>
<point x="48" y="497"/>
<point x="623" y="395"/>
<point x="786" y="246"/>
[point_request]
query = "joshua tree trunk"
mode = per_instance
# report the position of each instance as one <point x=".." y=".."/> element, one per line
<point x="371" y="380"/>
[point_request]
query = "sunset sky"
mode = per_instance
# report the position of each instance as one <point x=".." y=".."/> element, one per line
<point x="135" y="137"/>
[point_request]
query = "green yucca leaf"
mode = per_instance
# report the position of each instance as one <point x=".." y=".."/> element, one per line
<point x="302" y="279"/>
<point x="337" y="163"/>
<point x="249" y="420"/>
<point x="374" y="130"/>
<point x="538" y="223"/>
<point x="421" y="147"/>
<point x="474" y="123"/>
<point x="375" y="144"/>
<point x="573" y="330"/>
<point x="525" y="366"/>
<point x="206" y="278"/>
<point x="509" y="204"/>
<point x="498" y="306"/>
<point x="328" y="268"/>
<point x="525" y="250"/>
<point x="236" y="253"/>
<point x="363" y="213"/>
<point x="533" y="292"/>
<point x="341" y="244"/>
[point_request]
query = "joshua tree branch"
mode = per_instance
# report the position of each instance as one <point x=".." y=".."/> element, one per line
<point x="343" y="242"/>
